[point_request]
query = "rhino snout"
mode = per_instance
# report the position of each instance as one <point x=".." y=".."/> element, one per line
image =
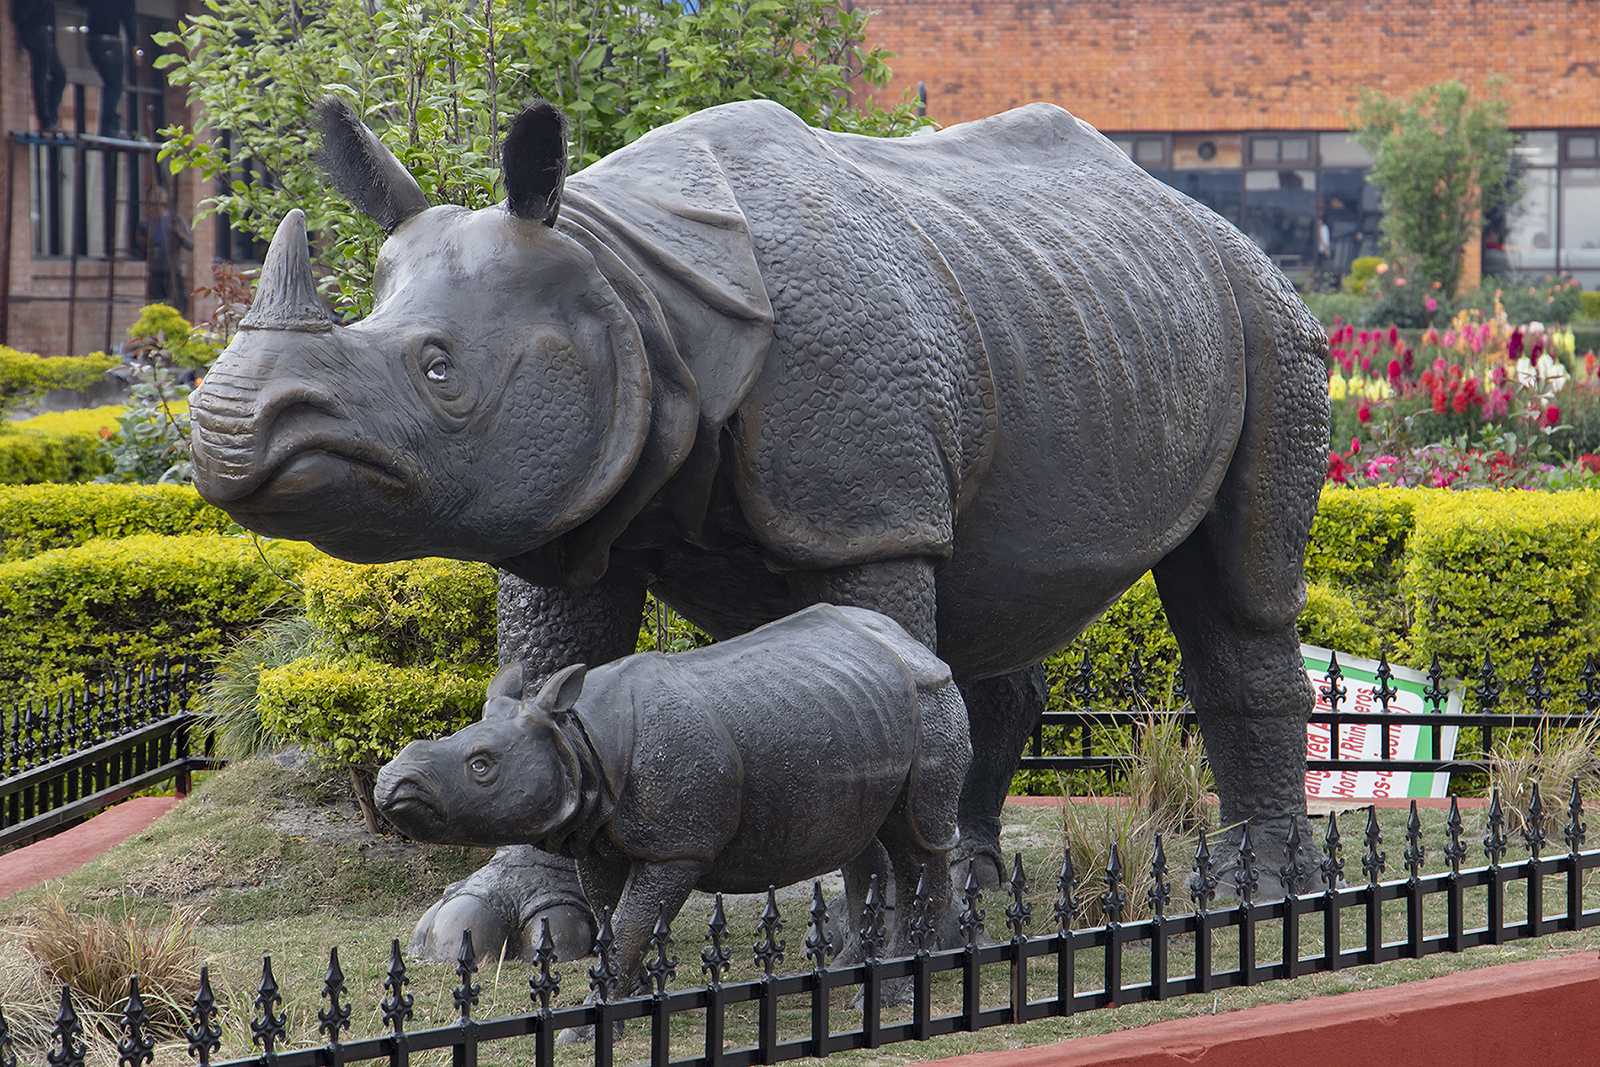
<point x="407" y="797"/>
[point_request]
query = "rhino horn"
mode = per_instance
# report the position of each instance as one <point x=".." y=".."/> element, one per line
<point x="363" y="169"/>
<point x="286" y="295"/>
<point x="536" y="162"/>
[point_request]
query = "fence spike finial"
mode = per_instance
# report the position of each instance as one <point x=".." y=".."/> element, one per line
<point x="1373" y="863"/>
<point x="924" y="924"/>
<point x="603" y="973"/>
<point x="1066" y="908"/>
<point x="971" y="911"/>
<point x="819" y="942"/>
<point x="204" y="1033"/>
<point x="1294" y="872"/>
<point x="1415" y="853"/>
<point x="1203" y="883"/>
<point x="1019" y="912"/>
<point x="137" y="1046"/>
<point x="544" y="983"/>
<point x="769" y="950"/>
<point x="1332" y="863"/>
<point x="1159" y="895"/>
<point x="466" y="994"/>
<point x="661" y="968"/>
<point x="1533" y="830"/>
<point x="268" y="1029"/>
<point x="335" y="1018"/>
<point x="1494" y="841"/>
<point x="1112" y="900"/>
<point x="872" y="932"/>
<point x="69" y="1049"/>
<point x="1576" y="830"/>
<point x="397" y="1003"/>
<point x="1455" y="850"/>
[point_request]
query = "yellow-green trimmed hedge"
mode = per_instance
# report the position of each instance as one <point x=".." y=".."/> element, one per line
<point x="37" y="518"/>
<point x="410" y="613"/>
<point x="356" y="710"/>
<point x="60" y="446"/>
<point x="25" y="376"/>
<point x="1420" y="571"/>
<point x="99" y="606"/>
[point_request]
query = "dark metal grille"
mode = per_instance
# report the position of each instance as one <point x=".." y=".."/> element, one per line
<point x="66" y="758"/>
<point x="1162" y="956"/>
<point x="1064" y="740"/>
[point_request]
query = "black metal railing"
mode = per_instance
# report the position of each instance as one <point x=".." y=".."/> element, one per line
<point x="1153" y="958"/>
<point x="1065" y="740"/>
<point x="63" y="759"/>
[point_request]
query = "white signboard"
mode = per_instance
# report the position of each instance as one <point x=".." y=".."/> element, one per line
<point x="1364" y="741"/>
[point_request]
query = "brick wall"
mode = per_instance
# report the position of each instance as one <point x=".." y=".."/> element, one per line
<point x="1250" y="64"/>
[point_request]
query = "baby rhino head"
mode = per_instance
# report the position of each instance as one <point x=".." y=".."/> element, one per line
<point x="511" y="778"/>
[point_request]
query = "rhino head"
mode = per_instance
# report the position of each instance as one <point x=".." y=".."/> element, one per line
<point x="514" y="777"/>
<point x="497" y="397"/>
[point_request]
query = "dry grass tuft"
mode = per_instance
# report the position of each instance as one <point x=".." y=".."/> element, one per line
<point x="1169" y="786"/>
<point x="1553" y="758"/>
<point x="97" y="953"/>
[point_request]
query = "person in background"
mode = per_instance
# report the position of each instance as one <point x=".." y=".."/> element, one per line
<point x="108" y="21"/>
<point x="163" y="236"/>
<point x="1495" y="261"/>
<point x="36" y="27"/>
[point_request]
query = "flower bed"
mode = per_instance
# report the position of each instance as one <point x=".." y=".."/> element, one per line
<point x="1483" y="402"/>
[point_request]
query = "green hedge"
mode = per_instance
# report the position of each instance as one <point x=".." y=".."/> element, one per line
<point x="1417" y="572"/>
<point x="97" y="607"/>
<point x="37" y="518"/>
<point x="407" y="614"/>
<point x="56" y="447"/>
<point x="25" y="376"/>
<point x="356" y="710"/>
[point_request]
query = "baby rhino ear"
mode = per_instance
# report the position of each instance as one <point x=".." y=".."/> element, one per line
<point x="504" y="698"/>
<point x="561" y="691"/>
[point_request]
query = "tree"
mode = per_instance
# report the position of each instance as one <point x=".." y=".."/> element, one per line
<point x="1442" y="160"/>
<point x="439" y="83"/>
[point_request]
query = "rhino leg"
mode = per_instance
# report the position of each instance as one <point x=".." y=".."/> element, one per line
<point x="1003" y="712"/>
<point x="1233" y="589"/>
<point x="505" y="902"/>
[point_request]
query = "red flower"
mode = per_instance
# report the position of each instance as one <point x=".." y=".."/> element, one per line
<point x="1366" y="364"/>
<point x="1365" y="336"/>
<point x="1440" y="401"/>
<point x="1364" y="413"/>
<point x="1394" y="335"/>
<point x="1394" y="370"/>
<point x="1460" y="402"/>
<point x="1355" y="445"/>
<point x="1590" y="462"/>
<point x="1552" y="415"/>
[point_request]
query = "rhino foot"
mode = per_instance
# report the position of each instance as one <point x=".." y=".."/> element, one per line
<point x="1270" y="840"/>
<point x="505" y="904"/>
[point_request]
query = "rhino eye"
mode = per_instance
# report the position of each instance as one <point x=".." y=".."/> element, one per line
<point x="480" y="765"/>
<point x="437" y="367"/>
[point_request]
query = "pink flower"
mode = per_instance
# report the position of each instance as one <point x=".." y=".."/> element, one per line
<point x="1399" y="281"/>
<point x="1355" y="444"/>
<point x="1450" y="338"/>
<point x="1394" y="370"/>
<point x="1394" y="335"/>
<point x="1366" y="364"/>
<point x="1431" y="304"/>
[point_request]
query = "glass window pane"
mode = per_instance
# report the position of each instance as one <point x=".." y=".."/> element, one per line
<point x="1538" y="148"/>
<point x="1296" y="150"/>
<point x="1218" y="190"/>
<point x="1280" y="216"/>
<point x="1531" y="244"/>
<point x="1263" y="149"/>
<point x="1583" y="148"/>
<point x="1194" y="151"/>
<point x="1351" y="213"/>
<point x="1341" y="150"/>
<point x="1149" y="151"/>
<point x="1125" y="144"/>
<point x="1580" y="218"/>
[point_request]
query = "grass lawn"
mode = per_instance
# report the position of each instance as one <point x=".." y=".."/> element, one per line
<point x="275" y="860"/>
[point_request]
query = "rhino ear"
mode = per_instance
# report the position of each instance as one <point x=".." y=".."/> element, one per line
<point x="561" y="691"/>
<point x="535" y="154"/>
<point x="504" y="698"/>
<point x="363" y="170"/>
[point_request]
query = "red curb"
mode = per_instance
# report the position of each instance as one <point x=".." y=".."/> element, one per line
<point x="65" y="852"/>
<point x="1538" y="1011"/>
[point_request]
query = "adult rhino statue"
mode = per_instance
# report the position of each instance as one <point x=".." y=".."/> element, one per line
<point x="980" y="381"/>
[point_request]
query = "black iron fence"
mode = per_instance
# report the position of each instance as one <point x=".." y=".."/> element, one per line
<point x="63" y="759"/>
<point x="1044" y="965"/>
<point x="1065" y="740"/>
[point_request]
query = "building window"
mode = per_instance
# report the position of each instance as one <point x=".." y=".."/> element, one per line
<point x="1580" y="219"/>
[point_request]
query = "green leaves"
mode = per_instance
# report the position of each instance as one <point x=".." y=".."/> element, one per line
<point x="1442" y="161"/>
<point x="440" y="82"/>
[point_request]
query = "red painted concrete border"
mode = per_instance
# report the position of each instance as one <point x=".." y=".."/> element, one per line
<point x="1318" y="803"/>
<point x="1539" y="1011"/>
<point x="65" y="852"/>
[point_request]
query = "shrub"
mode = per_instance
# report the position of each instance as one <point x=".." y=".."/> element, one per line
<point x="56" y="447"/>
<point x="24" y="377"/>
<point x="231" y="699"/>
<point x="358" y="711"/>
<point x="1589" y="305"/>
<point x="95" y="607"/>
<point x="1504" y="573"/>
<point x="161" y="330"/>
<point x="37" y="518"/>
<point x="410" y="613"/>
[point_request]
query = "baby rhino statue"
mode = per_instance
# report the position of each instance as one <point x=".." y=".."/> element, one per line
<point x="770" y="758"/>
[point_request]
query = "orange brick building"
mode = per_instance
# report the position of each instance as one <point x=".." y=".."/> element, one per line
<point x="1243" y="104"/>
<point x="72" y="278"/>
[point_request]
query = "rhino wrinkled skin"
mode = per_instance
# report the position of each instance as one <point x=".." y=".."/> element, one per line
<point x="980" y="381"/>
<point x="660" y="774"/>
